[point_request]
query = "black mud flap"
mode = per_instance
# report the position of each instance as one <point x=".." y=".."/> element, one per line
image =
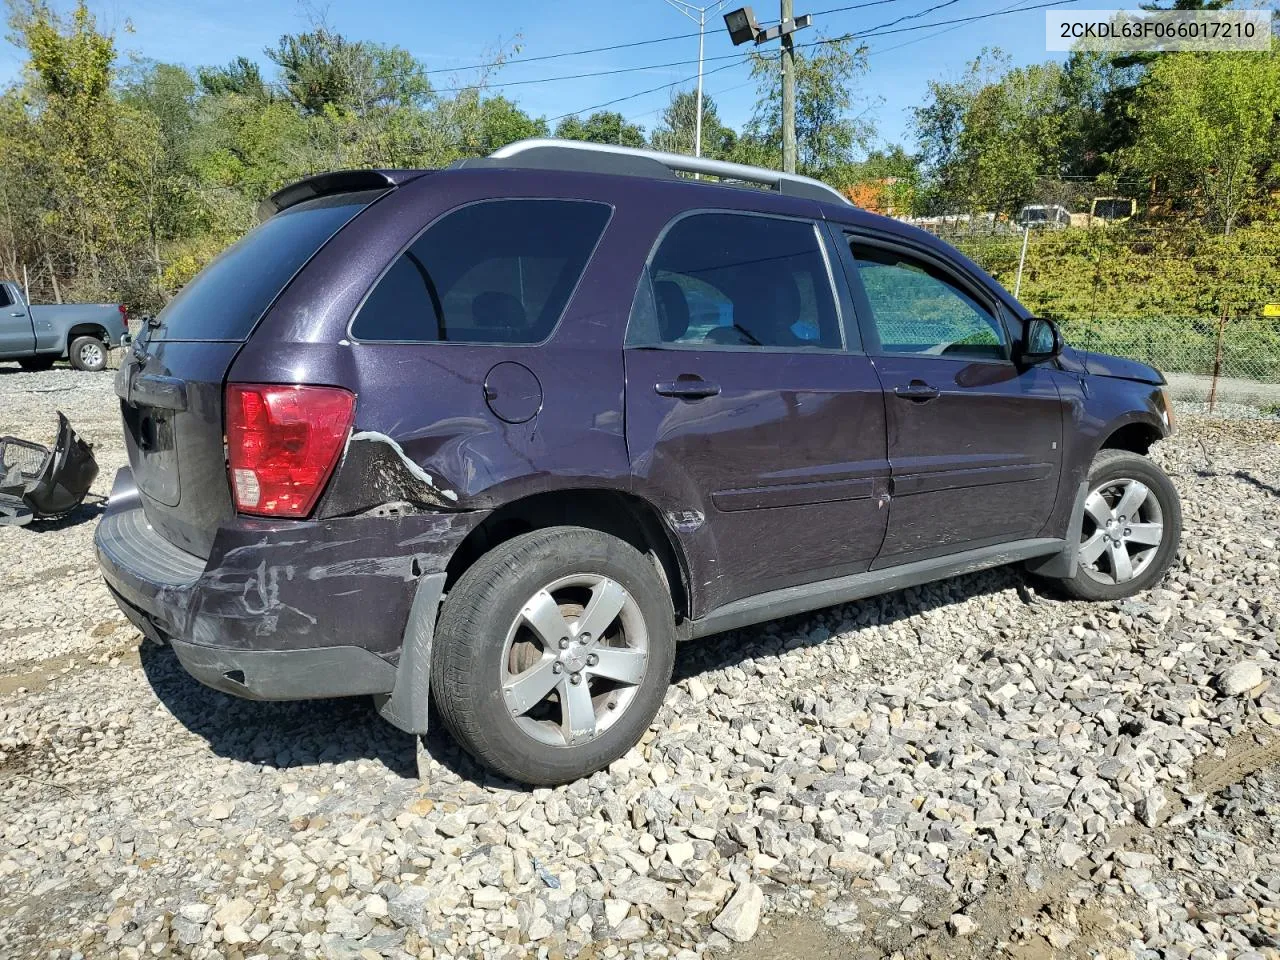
<point x="36" y="482"/>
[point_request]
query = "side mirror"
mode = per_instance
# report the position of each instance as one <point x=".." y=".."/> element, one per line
<point x="1043" y="341"/>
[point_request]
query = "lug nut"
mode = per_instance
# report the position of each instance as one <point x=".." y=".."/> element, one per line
<point x="584" y="638"/>
<point x="575" y="678"/>
<point x="564" y="643"/>
<point x="557" y="667"/>
<point x="592" y="660"/>
<point x="1127" y="531"/>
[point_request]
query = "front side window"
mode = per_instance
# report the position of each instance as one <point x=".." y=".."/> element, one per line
<point x="916" y="309"/>
<point x="5" y="299"/>
<point x="499" y="271"/>
<point x="724" y="279"/>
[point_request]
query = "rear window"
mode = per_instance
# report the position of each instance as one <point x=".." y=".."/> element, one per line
<point x="226" y="299"/>
<point x="498" y="271"/>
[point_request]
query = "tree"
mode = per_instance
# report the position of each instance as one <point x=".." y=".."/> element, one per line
<point x="1208" y="122"/>
<point x="1097" y="90"/>
<point x="241" y="77"/>
<point x="89" y="150"/>
<point x="603" y="126"/>
<point x="322" y="69"/>
<point x="832" y="122"/>
<point x="940" y="122"/>
<point x="1012" y="136"/>
<point x="888" y="181"/>
<point x="676" y="131"/>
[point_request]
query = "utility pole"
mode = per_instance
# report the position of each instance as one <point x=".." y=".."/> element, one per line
<point x="742" y="27"/>
<point x="788" y="94"/>
<point x="699" y="16"/>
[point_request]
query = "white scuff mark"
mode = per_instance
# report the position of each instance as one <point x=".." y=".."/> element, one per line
<point x="412" y="467"/>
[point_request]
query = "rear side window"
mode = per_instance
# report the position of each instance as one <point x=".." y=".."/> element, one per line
<point x="738" y="280"/>
<point x="5" y="299"/>
<point x="499" y="271"/>
<point x="226" y="299"/>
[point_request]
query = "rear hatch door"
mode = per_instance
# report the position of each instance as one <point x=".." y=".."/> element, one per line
<point x="171" y="381"/>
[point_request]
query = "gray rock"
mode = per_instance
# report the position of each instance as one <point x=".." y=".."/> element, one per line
<point x="1239" y="678"/>
<point x="740" y="918"/>
<point x="961" y="925"/>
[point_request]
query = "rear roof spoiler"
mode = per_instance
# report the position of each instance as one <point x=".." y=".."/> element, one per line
<point x="339" y="181"/>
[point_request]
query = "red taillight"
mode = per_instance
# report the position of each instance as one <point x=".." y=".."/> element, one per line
<point x="282" y="444"/>
<point x="124" y="317"/>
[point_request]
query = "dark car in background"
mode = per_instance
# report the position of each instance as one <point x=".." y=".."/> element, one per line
<point x="501" y="435"/>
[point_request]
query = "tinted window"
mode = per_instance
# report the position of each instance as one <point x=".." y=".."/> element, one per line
<point x="228" y="296"/>
<point x="495" y="272"/>
<point x="5" y="299"/>
<point x="917" y="309"/>
<point x="738" y="280"/>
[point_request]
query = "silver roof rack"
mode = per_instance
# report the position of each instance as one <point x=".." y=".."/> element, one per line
<point x="550" y="153"/>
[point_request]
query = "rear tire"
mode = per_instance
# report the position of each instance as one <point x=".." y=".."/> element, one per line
<point x="88" y="354"/>
<point x="34" y="364"/>
<point x="553" y="653"/>
<point x="1131" y="503"/>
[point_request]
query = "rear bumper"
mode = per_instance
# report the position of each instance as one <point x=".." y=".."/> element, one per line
<point x="281" y="611"/>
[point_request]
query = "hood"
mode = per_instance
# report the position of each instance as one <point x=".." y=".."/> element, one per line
<point x="1105" y="365"/>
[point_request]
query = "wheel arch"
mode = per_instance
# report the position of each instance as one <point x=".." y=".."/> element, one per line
<point x="624" y="515"/>
<point x="1135" y="434"/>
<point x="83" y="330"/>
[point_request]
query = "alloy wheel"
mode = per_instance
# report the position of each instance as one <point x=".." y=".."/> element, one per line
<point x="573" y="659"/>
<point x="1123" y="530"/>
<point x="91" y="354"/>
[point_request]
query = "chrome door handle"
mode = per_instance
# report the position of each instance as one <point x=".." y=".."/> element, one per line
<point x="917" y="391"/>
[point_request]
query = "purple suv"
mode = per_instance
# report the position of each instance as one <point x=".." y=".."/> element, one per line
<point x="499" y="436"/>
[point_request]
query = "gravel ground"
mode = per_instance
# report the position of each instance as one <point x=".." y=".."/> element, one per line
<point x="965" y="769"/>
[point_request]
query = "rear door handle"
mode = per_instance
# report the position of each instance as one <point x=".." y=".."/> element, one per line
<point x="687" y="389"/>
<point x="916" y="390"/>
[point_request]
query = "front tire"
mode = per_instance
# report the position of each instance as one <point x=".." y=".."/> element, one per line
<point x="1132" y="526"/>
<point x="88" y="354"/>
<point x="553" y="653"/>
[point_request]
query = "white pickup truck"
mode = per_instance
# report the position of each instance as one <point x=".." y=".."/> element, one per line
<point x="36" y="336"/>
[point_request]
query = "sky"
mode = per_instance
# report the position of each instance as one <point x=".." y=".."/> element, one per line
<point x="447" y="36"/>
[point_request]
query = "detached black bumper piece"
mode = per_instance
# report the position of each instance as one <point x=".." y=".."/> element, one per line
<point x="36" y="482"/>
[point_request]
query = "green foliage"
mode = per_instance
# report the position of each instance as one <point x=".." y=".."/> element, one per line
<point x="322" y="69"/>
<point x="1209" y="122"/>
<point x="832" y="119"/>
<point x="989" y="139"/>
<point x="603" y="126"/>
<point x="676" y="131"/>
<point x="1153" y="296"/>
<point x="241" y="76"/>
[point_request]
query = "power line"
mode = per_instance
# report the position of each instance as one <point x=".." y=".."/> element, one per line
<point x="627" y="46"/>
<point x="565" y="53"/>
<point x="884" y="29"/>
<point x="633" y="96"/>
<point x="939" y="23"/>
<point x="871" y="31"/>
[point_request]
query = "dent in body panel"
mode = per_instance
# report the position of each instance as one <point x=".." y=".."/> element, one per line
<point x="413" y="468"/>
<point x="346" y="581"/>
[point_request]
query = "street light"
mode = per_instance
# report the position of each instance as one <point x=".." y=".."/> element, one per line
<point x="699" y="16"/>
<point x="743" y="26"/>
